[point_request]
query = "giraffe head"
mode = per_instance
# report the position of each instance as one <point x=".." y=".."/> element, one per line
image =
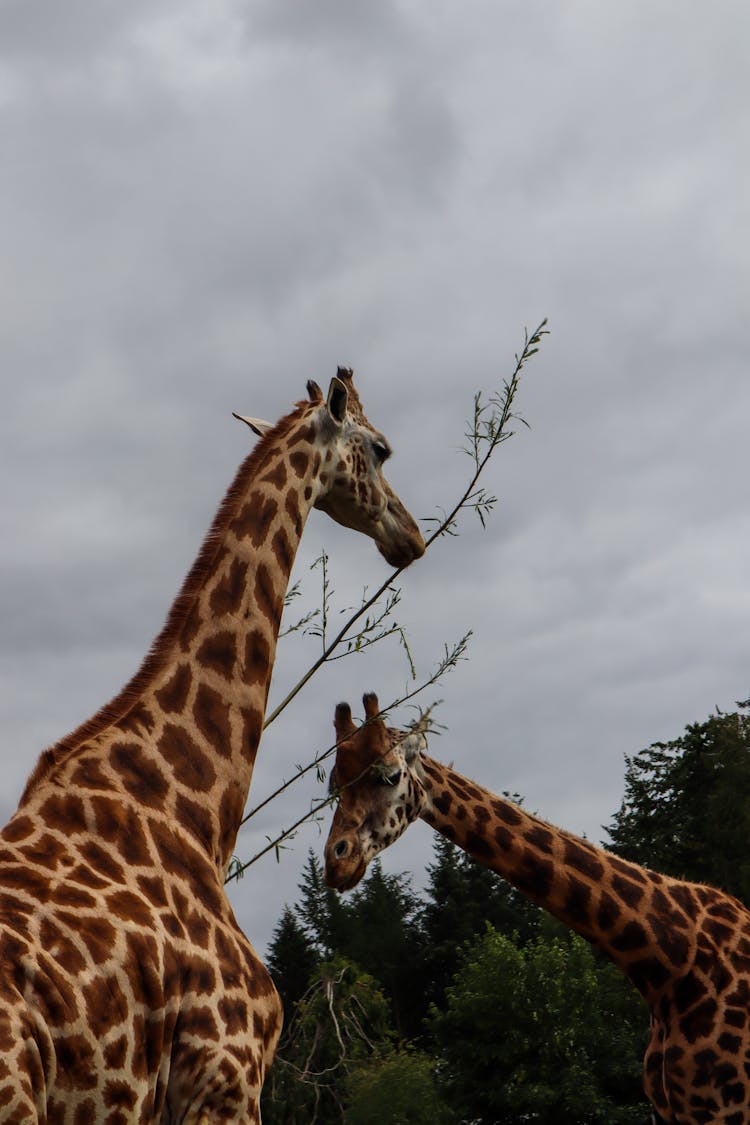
<point x="376" y="778"/>
<point x="350" y="454"/>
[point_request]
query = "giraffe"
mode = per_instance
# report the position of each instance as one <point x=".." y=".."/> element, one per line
<point x="684" y="946"/>
<point x="128" y="992"/>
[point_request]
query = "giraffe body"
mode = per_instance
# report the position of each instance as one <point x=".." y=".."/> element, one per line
<point x="128" y="993"/>
<point x="685" y="947"/>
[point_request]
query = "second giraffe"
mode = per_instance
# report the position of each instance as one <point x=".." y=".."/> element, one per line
<point x="685" y="947"/>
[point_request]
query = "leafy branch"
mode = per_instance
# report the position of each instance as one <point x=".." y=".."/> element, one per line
<point x="451" y="657"/>
<point x="490" y="426"/>
<point x="489" y="430"/>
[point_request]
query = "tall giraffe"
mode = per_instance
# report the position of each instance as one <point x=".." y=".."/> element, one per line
<point x="128" y="993"/>
<point x="685" y="947"/>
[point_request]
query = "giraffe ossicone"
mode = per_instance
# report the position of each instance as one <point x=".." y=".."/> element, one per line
<point x="684" y="946"/>
<point x="128" y="993"/>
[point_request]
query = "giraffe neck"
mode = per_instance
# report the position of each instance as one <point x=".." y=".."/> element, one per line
<point x="634" y="916"/>
<point x="185" y="731"/>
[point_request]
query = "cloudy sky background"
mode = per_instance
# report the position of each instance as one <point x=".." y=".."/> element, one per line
<point x="204" y="204"/>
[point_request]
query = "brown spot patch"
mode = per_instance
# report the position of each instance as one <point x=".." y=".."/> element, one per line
<point x="632" y="937"/>
<point x="18" y="829"/>
<point x="229" y="592"/>
<point x="153" y="888"/>
<point x="34" y="883"/>
<point x="258" y="515"/>
<point x="131" y="908"/>
<point x="173" y="696"/>
<point x="539" y="837"/>
<point x="119" y="1095"/>
<point x="89" y="774"/>
<point x="201" y="977"/>
<point x="230" y="814"/>
<point x="629" y="892"/>
<point x="197" y="818"/>
<point x="200" y="1023"/>
<point x="282" y="550"/>
<point x="443" y="802"/>
<point x="143" y="967"/>
<point x="266" y="598"/>
<point x="583" y="859"/>
<point x="479" y="846"/>
<point x="52" y="938"/>
<point x="115" y="1053"/>
<point x="76" y="1065"/>
<point x="211" y="714"/>
<point x="75" y="898"/>
<point x="507" y="812"/>
<point x="98" y="934"/>
<point x="257" y="657"/>
<point x="139" y="720"/>
<point x="299" y="460"/>
<point x="234" y="1014"/>
<point x="219" y="653"/>
<point x="179" y="858"/>
<point x="102" y="861"/>
<point x="609" y="912"/>
<point x="275" y="475"/>
<point x="195" y="923"/>
<point x="106" y="1005"/>
<point x="46" y="851"/>
<point x="291" y="505"/>
<point x="191" y="766"/>
<point x="252" y="724"/>
<point x="139" y="774"/>
<point x="65" y="812"/>
<point x="122" y="824"/>
<point x="534" y="875"/>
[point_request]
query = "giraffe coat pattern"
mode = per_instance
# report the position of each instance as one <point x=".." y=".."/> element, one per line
<point x="128" y="992"/>
<point x="685" y="946"/>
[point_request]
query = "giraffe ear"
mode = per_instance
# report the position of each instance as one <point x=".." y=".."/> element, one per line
<point x="371" y="705"/>
<point x="338" y="396"/>
<point x="343" y="723"/>
<point x="257" y="425"/>
<point x="313" y="391"/>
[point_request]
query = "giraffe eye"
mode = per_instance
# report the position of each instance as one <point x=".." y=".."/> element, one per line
<point x="392" y="778"/>
<point x="381" y="451"/>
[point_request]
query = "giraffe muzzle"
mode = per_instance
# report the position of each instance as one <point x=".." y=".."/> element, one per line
<point x="344" y="866"/>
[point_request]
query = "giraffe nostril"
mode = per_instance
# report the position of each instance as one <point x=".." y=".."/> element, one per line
<point x="341" y="849"/>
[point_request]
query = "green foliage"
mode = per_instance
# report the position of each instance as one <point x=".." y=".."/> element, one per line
<point x="323" y="912"/>
<point x="291" y="960"/>
<point x="397" y="1089"/>
<point x="530" y="1028"/>
<point x="527" y="1034"/>
<point x="342" y="1020"/>
<point x="462" y="897"/>
<point x="686" y="809"/>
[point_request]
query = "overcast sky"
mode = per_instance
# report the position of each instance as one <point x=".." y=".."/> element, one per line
<point x="204" y="204"/>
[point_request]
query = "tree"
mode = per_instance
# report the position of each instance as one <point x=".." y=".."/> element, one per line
<point x="463" y="896"/>
<point x="686" y="810"/>
<point x="395" y="1089"/>
<point x="342" y="1021"/>
<point x="323" y="912"/>
<point x="527" y="1035"/>
<point x="384" y="940"/>
<point x="291" y="960"/>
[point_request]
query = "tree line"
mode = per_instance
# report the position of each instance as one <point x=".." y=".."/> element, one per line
<point x="465" y="1002"/>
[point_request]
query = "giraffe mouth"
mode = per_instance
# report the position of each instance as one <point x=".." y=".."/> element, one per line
<point x="399" y="540"/>
<point x="401" y="556"/>
<point x="341" y="881"/>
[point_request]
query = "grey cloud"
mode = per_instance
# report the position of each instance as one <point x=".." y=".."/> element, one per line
<point x="203" y="208"/>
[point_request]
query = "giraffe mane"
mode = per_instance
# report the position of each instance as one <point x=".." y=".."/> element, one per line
<point x="157" y="654"/>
